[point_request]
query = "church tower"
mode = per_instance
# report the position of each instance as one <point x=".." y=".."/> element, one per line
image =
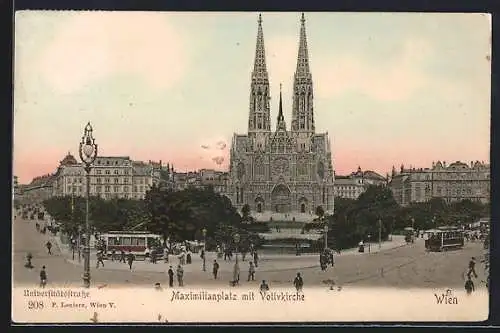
<point x="259" y="113"/>
<point x="302" y="106"/>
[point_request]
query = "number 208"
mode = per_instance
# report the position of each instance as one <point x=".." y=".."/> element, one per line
<point x="35" y="305"/>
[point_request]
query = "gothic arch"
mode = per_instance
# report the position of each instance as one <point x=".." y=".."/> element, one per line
<point x="259" y="204"/>
<point x="281" y="198"/>
<point x="303" y="205"/>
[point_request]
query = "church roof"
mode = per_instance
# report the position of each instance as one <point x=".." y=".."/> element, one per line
<point x="69" y="160"/>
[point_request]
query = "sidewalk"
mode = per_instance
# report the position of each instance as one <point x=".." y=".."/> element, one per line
<point x="267" y="262"/>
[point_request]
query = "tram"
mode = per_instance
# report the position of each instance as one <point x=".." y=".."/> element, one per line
<point x="443" y="239"/>
<point x="138" y="243"/>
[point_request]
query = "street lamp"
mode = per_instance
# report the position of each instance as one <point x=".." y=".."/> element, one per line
<point x="379" y="234"/>
<point x="325" y="229"/>
<point x="88" y="154"/>
<point x="236" y="238"/>
<point x="204" y="231"/>
<point x="369" y="245"/>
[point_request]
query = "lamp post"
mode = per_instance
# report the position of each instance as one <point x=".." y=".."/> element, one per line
<point x="236" y="238"/>
<point x="369" y="244"/>
<point x="379" y="234"/>
<point x="88" y="154"/>
<point x="325" y="229"/>
<point x="204" y="231"/>
<point x="73" y="244"/>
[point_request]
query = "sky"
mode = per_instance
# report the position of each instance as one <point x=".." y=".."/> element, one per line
<point x="390" y="88"/>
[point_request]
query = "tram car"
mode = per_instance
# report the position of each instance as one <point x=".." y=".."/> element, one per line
<point x="443" y="239"/>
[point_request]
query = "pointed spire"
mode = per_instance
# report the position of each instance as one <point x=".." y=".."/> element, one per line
<point x="259" y="67"/>
<point x="303" y="56"/>
<point x="280" y="112"/>
<point x="281" y="125"/>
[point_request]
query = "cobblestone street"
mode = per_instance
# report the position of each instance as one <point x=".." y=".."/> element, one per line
<point x="396" y="265"/>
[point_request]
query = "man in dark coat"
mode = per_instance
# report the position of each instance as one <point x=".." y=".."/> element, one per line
<point x="298" y="282"/>
<point x="215" y="269"/>
<point x="170" y="277"/>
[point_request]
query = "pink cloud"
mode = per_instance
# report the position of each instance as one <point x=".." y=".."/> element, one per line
<point x="94" y="45"/>
<point x="397" y="80"/>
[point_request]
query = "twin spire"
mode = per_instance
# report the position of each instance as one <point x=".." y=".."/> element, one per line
<point x="259" y="113"/>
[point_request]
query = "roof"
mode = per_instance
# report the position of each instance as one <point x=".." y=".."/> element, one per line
<point x="373" y="175"/>
<point x="69" y="160"/>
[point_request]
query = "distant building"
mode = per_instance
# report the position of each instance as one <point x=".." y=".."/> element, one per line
<point x="38" y="190"/>
<point x="110" y="177"/>
<point x="353" y="185"/>
<point x="455" y="182"/>
<point x="203" y="178"/>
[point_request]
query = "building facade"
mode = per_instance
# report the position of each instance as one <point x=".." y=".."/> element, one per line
<point x="110" y="177"/>
<point x="38" y="190"/>
<point x="454" y="182"/>
<point x="284" y="172"/>
<point x="353" y="185"/>
<point x="203" y="178"/>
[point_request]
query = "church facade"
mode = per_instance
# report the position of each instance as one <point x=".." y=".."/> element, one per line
<point x="281" y="173"/>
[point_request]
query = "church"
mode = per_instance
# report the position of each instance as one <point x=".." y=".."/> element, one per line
<point x="281" y="173"/>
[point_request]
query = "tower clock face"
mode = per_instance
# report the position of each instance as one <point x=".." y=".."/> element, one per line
<point x="321" y="170"/>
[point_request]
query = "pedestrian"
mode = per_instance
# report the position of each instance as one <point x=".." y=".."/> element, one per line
<point x="298" y="282"/>
<point x="180" y="276"/>
<point x="99" y="259"/>
<point x="113" y="253"/>
<point x="188" y="257"/>
<point x="165" y="254"/>
<point x="322" y="262"/>
<point x="170" y="277"/>
<point x="236" y="273"/>
<point x="130" y="259"/>
<point x="43" y="277"/>
<point x="331" y="258"/>
<point x="256" y="259"/>
<point x="49" y="246"/>
<point x="153" y="256"/>
<point x="251" y="271"/>
<point x="472" y="268"/>
<point x="122" y="256"/>
<point x="215" y="269"/>
<point x="469" y="285"/>
<point x="264" y="287"/>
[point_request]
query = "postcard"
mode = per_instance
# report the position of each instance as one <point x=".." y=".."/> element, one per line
<point x="191" y="167"/>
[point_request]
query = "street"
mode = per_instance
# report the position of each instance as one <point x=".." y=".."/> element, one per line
<point x="408" y="266"/>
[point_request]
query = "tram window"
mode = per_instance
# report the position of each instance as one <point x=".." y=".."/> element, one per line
<point x="126" y="241"/>
<point x="141" y="241"/>
<point x="112" y="240"/>
<point x="135" y="241"/>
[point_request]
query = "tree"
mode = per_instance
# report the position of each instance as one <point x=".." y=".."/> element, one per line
<point x="245" y="211"/>
<point x="320" y="212"/>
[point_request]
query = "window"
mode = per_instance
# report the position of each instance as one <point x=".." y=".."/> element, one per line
<point x="125" y="180"/>
<point x="303" y="208"/>
<point x="259" y="208"/>
<point x="98" y="172"/>
<point x="115" y="188"/>
<point x="116" y="180"/>
<point x="116" y="172"/>
<point x="98" y="188"/>
<point x="107" y="188"/>
<point x="125" y="188"/>
<point x="107" y="180"/>
<point x="126" y="172"/>
<point x="126" y="241"/>
<point x="99" y="180"/>
<point x="135" y="188"/>
<point x="108" y="172"/>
